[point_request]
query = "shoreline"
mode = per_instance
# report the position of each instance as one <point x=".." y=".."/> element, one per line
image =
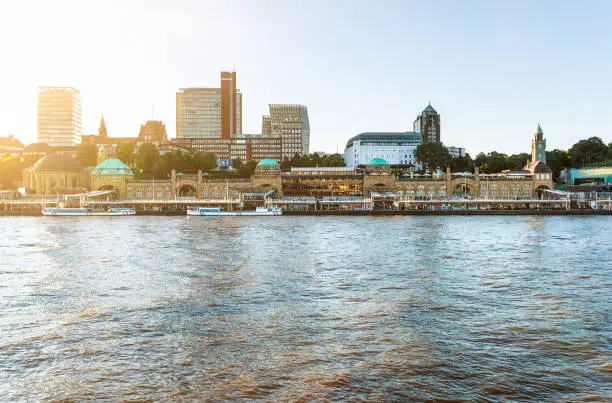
<point x="573" y="212"/>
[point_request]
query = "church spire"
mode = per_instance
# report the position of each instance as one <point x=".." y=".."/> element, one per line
<point x="102" y="130"/>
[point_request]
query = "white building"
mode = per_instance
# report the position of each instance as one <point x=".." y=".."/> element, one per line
<point x="456" y="152"/>
<point x="59" y="116"/>
<point x="397" y="148"/>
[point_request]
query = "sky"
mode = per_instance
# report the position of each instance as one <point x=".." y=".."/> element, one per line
<point x="493" y="70"/>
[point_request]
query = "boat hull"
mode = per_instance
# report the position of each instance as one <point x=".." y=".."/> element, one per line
<point x="234" y="214"/>
<point x="85" y="213"/>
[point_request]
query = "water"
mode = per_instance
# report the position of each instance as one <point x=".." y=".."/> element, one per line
<point x="289" y="308"/>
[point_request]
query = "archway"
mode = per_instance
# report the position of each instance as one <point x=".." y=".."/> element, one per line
<point x="187" y="191"/>
<point x="539" y="192"/>
<point x="463" y="189"/>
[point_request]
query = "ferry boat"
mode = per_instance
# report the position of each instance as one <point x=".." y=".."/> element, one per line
<point x="217" y="212"/>
<point x="64" y="211"/>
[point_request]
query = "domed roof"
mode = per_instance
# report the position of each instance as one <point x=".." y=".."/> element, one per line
<point x="267" y="161"/>
<point x="378" y="161"/>
<point x="112" y="166"/>
<point x="58" y="162"/>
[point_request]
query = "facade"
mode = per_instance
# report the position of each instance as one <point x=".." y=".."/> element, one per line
<point x="112" y="174"/>
<point x="591" y="176"/>
<point x="398" y="148"/>
<point x="456" y="152"/>
<point x="210" y="112"/>
<point x="58" y="173"/>
<point x="322" y="182"/>
<point x="59" y="116"/>
<point x="153" y="131"/>
<point x="245" y="147"/>
<point x="290" y="123"/>
<point x="538" y="146"/>
<point x="428" y="125"/>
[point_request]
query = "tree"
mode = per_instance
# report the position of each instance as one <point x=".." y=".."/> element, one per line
<point x="87" y="154"/>
<point x="209" y="162"/>
<point x="146" y="157"/>
<point x="125" y="152"/>
<point x="557" y="160"/>
<point x="481" y="161"/>
<point x="588" y="151"/>
<point x="433" y="155"/>
<point x="237" y="164"/>
<point x="248" y="169"/>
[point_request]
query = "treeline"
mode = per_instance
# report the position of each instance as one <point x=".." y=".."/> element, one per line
<point x="312" y="160"/>
<point x="589" y="152"/>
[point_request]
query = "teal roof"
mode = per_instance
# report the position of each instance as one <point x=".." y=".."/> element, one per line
<point x="267" y="161"/>
<point x="430" y="109"/>
<point x="540" y="129"/>
<point x="378" y="161"/>
<point x="112" y="166"/>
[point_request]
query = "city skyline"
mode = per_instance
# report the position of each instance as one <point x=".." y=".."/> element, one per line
<point x="492" y="74"/>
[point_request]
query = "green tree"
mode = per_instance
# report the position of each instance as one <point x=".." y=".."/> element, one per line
<point x="125" y="152"/>
<point x="146" y="158"/>
<point x="248" y="169"/>
<point x="209" y="161"/>
<point x="433" y="155"/>
<point x="517" y="161"/>
<point x="237" y="164"/>
<point x="589" y="151"/>
<point x="87" y="154"/>
<point x="557" y="160"/>
<point x="480" y="161"/>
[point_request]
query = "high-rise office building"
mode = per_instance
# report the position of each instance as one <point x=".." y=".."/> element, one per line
<point x="428" y="124"/>
<point x="59" y="116"/>
<point x="290" y="123"/>
<point x="210" y="112"/>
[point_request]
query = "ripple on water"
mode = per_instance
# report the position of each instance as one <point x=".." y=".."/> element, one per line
<point x="407" y="309"/>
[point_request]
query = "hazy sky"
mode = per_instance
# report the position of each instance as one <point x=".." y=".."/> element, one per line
<point x="492" y="69"/>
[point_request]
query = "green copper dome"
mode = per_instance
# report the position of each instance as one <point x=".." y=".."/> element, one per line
<point x="267" y="161"/>
<point x="430" y="109"/>
<point x="540" y="129"/>
<point x="378" y="161"/>
<point x="112" y="166"/>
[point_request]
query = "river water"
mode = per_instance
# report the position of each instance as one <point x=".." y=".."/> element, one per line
<point x="290" y="308"/>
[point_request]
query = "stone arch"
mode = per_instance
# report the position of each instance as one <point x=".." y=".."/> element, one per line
<point x="538" y="190"/>
<point x="462" y="186"/>
<point x="187" y="190"/>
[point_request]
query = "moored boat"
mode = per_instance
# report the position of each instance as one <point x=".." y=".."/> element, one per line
<point x="80" y="211"/>
<point x="217" y="212"/>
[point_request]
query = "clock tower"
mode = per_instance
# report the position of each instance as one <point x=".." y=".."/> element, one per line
<point x="538" y="146"/>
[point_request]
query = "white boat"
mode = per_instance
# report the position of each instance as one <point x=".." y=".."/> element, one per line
<point x="217" y="212"/>
<point x="64" y="211"/>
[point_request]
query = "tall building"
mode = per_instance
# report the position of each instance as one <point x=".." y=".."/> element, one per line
<point x="538" y="146"/>
<point x="209" y="113"/>
<point x="59" y="116"/>
<point x="290" y="123"/>
<point x="428" y="124"/>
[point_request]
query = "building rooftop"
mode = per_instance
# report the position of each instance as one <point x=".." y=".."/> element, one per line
<point x="267" y="161"/>
<point x="386" y="138"/>
<point x="378" y="161"/>
<point x="429" y="108"/>
<point x="57" y="162"/>
<point x="112" y="166"/>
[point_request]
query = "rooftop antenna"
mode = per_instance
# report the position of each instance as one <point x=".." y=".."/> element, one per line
<point x="152" y="111"/>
